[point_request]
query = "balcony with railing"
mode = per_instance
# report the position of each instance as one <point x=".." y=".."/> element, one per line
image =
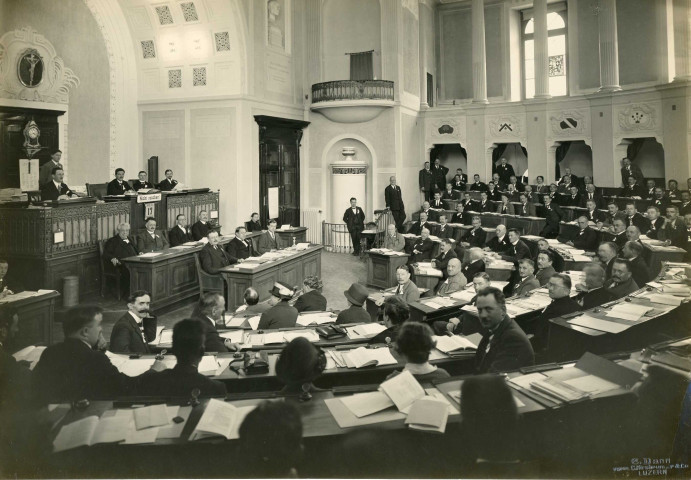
<point x="352" y="101"/>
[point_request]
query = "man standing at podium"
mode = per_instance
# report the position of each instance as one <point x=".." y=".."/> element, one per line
<point x="46" y="171"/>
<point x="118" y="186"/>
<point x="354" y="218"/>
<point x="394" y="202"/>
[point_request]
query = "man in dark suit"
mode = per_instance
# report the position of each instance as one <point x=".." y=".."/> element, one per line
<point x="394" y="202"/>
<point x="458" y="185"/>
<point x="530" y="194"/>
<point x="685" y="206"/>
<point x="591" y="195"/>
<point x="142" y="182"/>
<point x="475" y="237"/>
<point x="443" y="230"/>
<point x="474" y="265"/>
<point x="622" y="283"/>
<point x="493" y="192"/>
<point x="660" y="200"/>
<point x="152" y="240"/>
<point x="449" y="194"/>
<point x="629" y="169"/>
<point x="649" y="189"/>
<point x="592" y="214"/>
<point x="426" y="181"/>
<point x="281" y="314"/>
<point x="238" y="247"/>
<point x="484" y="205"/>
<point x="655" y="223"/>
<point x="254" y="225"/>
<point x="632" y="189"/>
<point x="45" y="173"/>
<point x="55" y="189"/>
<point x="565" y="186"/>
<point x="574" y="198"/>
<point x="498" y="184"/>
<point x="504" y="346"/>
<point x="446" y="253"/>
<point x="633" y="252"/>
<point x="568" y="177"/>
<point x="545" y="268"/>
<point x="607" y="254"/>
<point x="553" y="194"/>
<point x="633" y="218"/>
<point x="586" y="238"/>
<point x="559" y="286"/>
<point x="437" y="206"/>
<point x="421" y="250"/>
<point x="268" y="240"/>
<point x="356" y="295"/>
<point x="439" y="172"/>
<point x="118" y="186"/>
<point x="500" y="243"/>
<point x="73" y="369"/>
<point x="515" y="185"/>
<point x="477" y="185"/>
<point x="213" y="257"/>
<point x="553" y="215"/>
<point x="505" y="171"/>
<point x="674" y="232"/>
<point x="517" y="249"/>
<point x="115" y="249"/>
<point x="129" y="334"/>
<point x="168" y="184"/>
<point x="463" y="177"/>
<point x="179" y="381"/>
<point x="354" y="219"/>
<point x="416" y="227"/>
<point x="613" y="213"/>
<point x="200" y="228"/>
<point x="592" y="292"/>
<point x="180" y="233"/>
<point x="209" y="312"/>
<point x="460" y="217"/>
<point x="311" y="299"/>
<point x="618" y="233"/>
<point x="9" y="284"/>
<point x="526" y="209"/>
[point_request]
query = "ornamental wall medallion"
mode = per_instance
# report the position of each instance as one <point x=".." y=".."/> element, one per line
<point x="445" y="130"/>
<point x="505" y="126"/>
<point x="30" y="68"/>
<point x="568" y="123"/>
<point x="637" y="117"/>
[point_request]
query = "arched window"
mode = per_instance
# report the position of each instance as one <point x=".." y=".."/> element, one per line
<point x="556" y="50"/>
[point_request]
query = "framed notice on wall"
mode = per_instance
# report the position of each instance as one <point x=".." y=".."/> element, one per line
<point x="28" y="174"/>
<point x="273" y="202"/>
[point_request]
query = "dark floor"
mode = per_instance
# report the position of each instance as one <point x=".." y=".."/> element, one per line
<point x="339" y="270"/>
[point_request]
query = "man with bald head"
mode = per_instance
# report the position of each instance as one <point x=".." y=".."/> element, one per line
<point x="591" y="195"/>
<point x="476" y="236"/>
<point x="394" y="202"/>
<point x="394" y="240"/>
<point x="475" y="264"/>
<point x="607" y="253"/>
<point x="500" y="243"/>
<point x="592" y="292"/>
<point x="120" y="246"/>
<point x="416" y="228"/>
<point x="422" y="248"/>
<point x="455" y="280"/>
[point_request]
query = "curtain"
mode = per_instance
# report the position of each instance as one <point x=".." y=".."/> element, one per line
<point x="496" y="155"/>
<point x="634" y="149"/>
<point x="559" y="155"/>
<point x="361" y="67"/>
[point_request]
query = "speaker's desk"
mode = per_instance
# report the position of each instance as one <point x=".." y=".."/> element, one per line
<point x="381" y="268"/>
<point x="35" y="313"/>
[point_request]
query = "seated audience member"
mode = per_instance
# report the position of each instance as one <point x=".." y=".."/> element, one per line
<point x="200" y="228"/>
<point x="649" y="189"/>
<point x="118" y="185"/>
<point x="498" y="183"/>
<point x="633" y="252"/>
<point x="476" y="236"/>
<point x="553" y="194"/>
<point x="607" y="253"/>
<point x="674" y="231"/>
<point x="475" y="264"/>
<point x="545" y="268"/>
<point x="414" y="343"/>
<point x="142" y="182"/>
<point x="559" y="287"/>
<point x="504" y="346"/>
<point x="299" y="364"/>
<point x="254" y="225"/>
<point x="281" y="314"/>
<point x="511" y="192"/>
<point x="449" y="194"/>
<point x="500" y="243"/>
<point x="592" y="293"/>
<point x="444" y="230"/>
<point x="655" y="224"/>
<point x="660" y="200"/>
<point x="15" y="377"/>
<point x="633" y="234"/>
<point x="484" y="205"/>
<point x="446" y="253"/>
<point x="493" y="192"/>
<point x="9" y="285"/>
<point x="633" y="218"/>
<point x="55" y="189"/>
<point x="394" y="240"/>
<point x="527" y="209"/>
<point x="115" y="249"/>
<point x="152" y="240"/>
<point x="239" y="247"/>
<point x="467" y="202"/>
<point x="491" y="417"/>
<point x="422" y="248"/>
<point x="531" y="196"/>
<point x="405" y="287"/>
<point x="460" y="217"/>
<point x="477" y="185"/>
<point x="542" y="246"/>
<point x="504" y="169"/>
<point x="632" y="189"/>
<point x="621" y="283"/>
<point x="357" y="296"/>
<point x="458" y="184"/>
<point x="591" y="195"/>
<point x="437" y="205"/>
<point x="179" y="381"/>
<point x="427" y="210"/>
<point x="168" y="184"/>
<point x="505" y="207"/>
<point x="180" y="234"/>
<point x="619" y="233"/>
<point x="416" y="227"/>
<point x="72" y="370"/>
<point x="271" y="441"/>
<point x="568" y="179"/>
<point x="553" y="215"/>
<point x="311" y="299"/>
<point x="586" y="238"/>
<point x="252" y="306"/>
<point x="613" y="214"/>
<point x="461" y="175"/>
<point x="673" y="192"/>
<point x="209" y="313"/>
<point x="517" y="249"/>
<point x="574" y="198"/>
<point x="269" y="240"/>
<point x="526" y="281"/>
<point x="395" y="313"/>
<point x="592" y="214"/>
<point x="213" y="256"/>
<point x="540" y="185"/>
<point x="129" y="334"/>
<point x="468" y="323"/>
<point x="455" y="280"/>
<point x="687" y="246"/>
<point x="685" y="206"/>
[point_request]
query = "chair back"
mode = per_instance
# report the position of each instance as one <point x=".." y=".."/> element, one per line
<point x="207" y="282"/>
<point x="101" y="245"/>
<point x="97" y="190"/>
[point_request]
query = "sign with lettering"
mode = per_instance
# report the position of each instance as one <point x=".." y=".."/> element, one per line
<point x="147" y="198"/>
<point x="149" y="210"/>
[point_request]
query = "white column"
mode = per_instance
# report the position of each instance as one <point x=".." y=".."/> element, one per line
<point x="479" y="56"/>
<point x="313" y="34"/>
<point x="609" y="53"/>
<point x="423" y="58"/>
<point x="541" y="53"/>
<point x="682" y="40"/>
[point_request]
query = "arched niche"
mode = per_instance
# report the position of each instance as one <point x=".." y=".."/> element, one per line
<point x="646" y="152"/>
<point x="575" y="155"/>
<point x="516" y="155"/>
<point x="451" y="155"/>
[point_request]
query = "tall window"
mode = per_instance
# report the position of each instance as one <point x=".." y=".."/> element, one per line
<point x="556" y="50"/>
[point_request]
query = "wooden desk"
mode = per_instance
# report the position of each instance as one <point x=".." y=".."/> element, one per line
<point x="655" y="256"/>
<point x="298" y="234"/>
<point x="381" y="268"/>
<point x="36" y="316"/>
<point x="291" y="270"/>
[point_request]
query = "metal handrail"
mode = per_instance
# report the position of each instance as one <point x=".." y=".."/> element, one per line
<point x="353" y="90"/>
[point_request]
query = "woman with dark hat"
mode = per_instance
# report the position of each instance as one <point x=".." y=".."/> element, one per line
<point x="356" y="295"/>
<point x="311" y="300"/>
<point x="299" y="364"/>
<point x="282" y="314"/>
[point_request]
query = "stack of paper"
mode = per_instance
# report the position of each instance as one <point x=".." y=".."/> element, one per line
<point x="319" y="318"/>
<point x="628" y="311"/>
<point x="363" y="404"/>
<point x="235" y="336"/>
<point x="403" y="390"/>
<point x="30" y="354"/>
<point x="151" y="416"/>
<point x="439" y="302"/>
<point x="133" y="367"/>
<point x="598" y="324"/>
<point x="368" y="357"/>
<point x="455" y="343"/>
<point x="90" y="431"/>
<point x="150" y="254"/>
<point x="310" y="335"/>
<point x="367" y="330"/>
<point x="429" y="414"/>
<point x="665" y="299"/>
<point x="18" y="296"/>
<point x="559" y="390"/>
<point x="220" y="419"/>
<point x="463" y="295"/>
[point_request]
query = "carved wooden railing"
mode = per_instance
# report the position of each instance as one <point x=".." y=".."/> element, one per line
<point x="352" y="90"/>
<point x="190" y="206"/>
